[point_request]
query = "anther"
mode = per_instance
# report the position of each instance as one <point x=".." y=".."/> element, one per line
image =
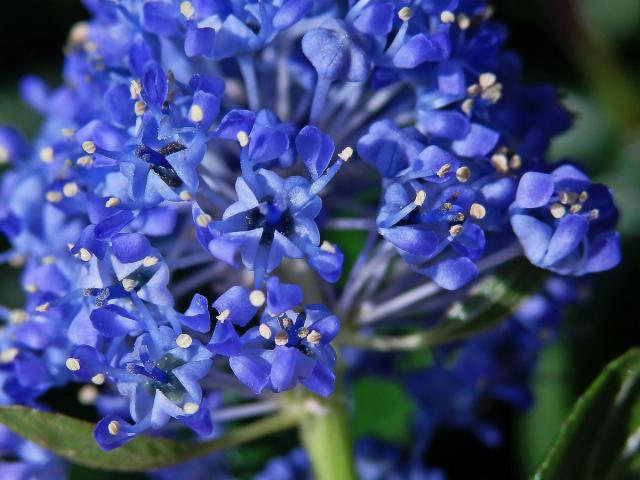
<point x="43" y="308"/>
<point x="139" y="108"/>
<point x="455" y="230"/>
<point x="114" y="427"/>
<point x="557" y="210"/>
<point x="463" y="174"/>
<point x="46" y="154"/>
<point x="584" y="196"/>
<point x="314" y="337"/>
<point x="196" y="114"/>
<point x="421" y="196"/>
<point x="48" y="260"/>
<point x="135" y="89"/>
<point x="150" y="261"/>
<point x="223" y="315"/>
<point x="89" y="147"/>
<point x="84" y="161"/>
<point x="112" y="202"/>
<point x="346" y="154"/>
<point x="328" y="247"/>
<point x="53" y="196"/>
<point x="185" y="196"/>
<point x="8" y="355"/>
<point x="404" y="14"/>
<point x="68" y="132"/>
<point x="98" y="379"/>
<point x="265" y="331"/>
<point x="203" y="220"/>
<point x="486" y="80"/>
<point x="4" y="156"/>
<point x="129" y="284"/>
<point x="500" y="163"/>
<point x="70" y="189"/>
<point x="18" y="316"/>
<point x="575" y="208"/>
<point x="243" y="138"/>
<point x="31" y="287"/>
<point x="282" y="338"/>
<point x="187" y="10"/>
<point x="594" y="214"/>
<point x="184" y="340"/>
<point x="87" y="395"/>
<point x="477" y="211"/>
<point x="257" y="298"/>
<point x="303" y="332"/>
<point x="72" y="364"/>
<point x="191" y="408"/>
<point x="85" y="255"/>
<point x="516" y="162"/>
<point x="443" y="170"/>
<point x="447" y="17"/>
<point x="464" y="21"/>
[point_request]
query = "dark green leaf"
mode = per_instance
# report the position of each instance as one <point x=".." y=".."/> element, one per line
<point x="73" y="439"/>
<point x="600" y="439"/>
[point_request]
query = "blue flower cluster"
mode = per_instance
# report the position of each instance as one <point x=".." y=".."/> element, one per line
<point x="170" y="218"/>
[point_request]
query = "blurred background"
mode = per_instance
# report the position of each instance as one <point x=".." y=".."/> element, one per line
<point x="591" y="49"/>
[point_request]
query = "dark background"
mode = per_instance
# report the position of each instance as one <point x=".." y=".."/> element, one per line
<point x="591" y="48"/>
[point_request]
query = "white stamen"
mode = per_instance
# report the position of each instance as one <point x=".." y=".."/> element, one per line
<point x="447" y="17"/>
<point x="516" y="162"/>
<point x="575" y="208"/>
<point x="72" y="364"/>
<point x="184" y="195"/>
<point x="48" y="260"/>
<point x="98" y="379"/>
<point x="477" y="211"/>
<point x="464" y="22"/>
<point x="346" y="154"/>
<point x="87" y="395"/>
<point x="18" y="316"/>
<point x="196" y="114"/>
<point x="184" y="340"/>
<point x="187" y="10"/>
<point x="467" y="106"/>
<point x="243" y="138"/>
<point x="135" y="89"/>
<point x="84" y="161"/>
<point x="191" y="408"/>
<point x="139" y="108"/>
<point x="203" y="220"/>
<point x="44" y="308"/>
<point x="443" y="170"/>
<point x="404" y="14"/>
<point x="328" y="247"/>
<point x="486" y="80"/>
<point x="129" y="284"/>
<point x="257" y="298"/>
<point x="70" y="189"/>
<point x="557" y="210"/>
<point x="114" y="427"/>
<point x="282" y="338"/>
<point x="500" y="163"/>
<point x="8" y="355"/>
<point x="265" y="331"/>
<point x="455" y="230"/>
<point x="53" y="196"/>
<point x="85" y="255"/>
<point x="463" y="174"/>
<point x="150" y="261"/>
<point x="314" y="337"/>
<point x="46" y="154"/>
<point x="112" y="202"/>
<point x="4" y="155"/>
<point x="68" y="132"/>
<point x="421" y="196"/>
<point x="223" y="315"/>
<point x="89" y="147"/>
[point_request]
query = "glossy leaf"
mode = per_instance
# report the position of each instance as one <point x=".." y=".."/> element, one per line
<point x="73" y="439"/>
<point x="600" y="439"/>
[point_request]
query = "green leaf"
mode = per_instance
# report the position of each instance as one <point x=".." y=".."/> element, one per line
<point x="600" y="439"/>
<point x="73" y="439"/>
<point x="488" y="304"/>
<point x="382" y="409"/>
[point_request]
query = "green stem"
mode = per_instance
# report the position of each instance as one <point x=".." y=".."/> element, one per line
<point x="325" y="435"/>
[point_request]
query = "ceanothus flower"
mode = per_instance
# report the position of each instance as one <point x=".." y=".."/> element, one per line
<point x="564" y="222"/>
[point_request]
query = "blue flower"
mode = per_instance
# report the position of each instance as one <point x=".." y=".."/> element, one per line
<point x="564" y="222"/>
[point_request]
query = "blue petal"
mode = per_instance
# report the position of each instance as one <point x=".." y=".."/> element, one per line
<point x="570" y="232"/>
<point x="160" y="18"/>
<point x="315" y="148"/>
<point x="423" y="48"/>
<point x="534" y="190"/>
<point x="411" y="239"/>
<point x="236" y="300"/>
<point x="452" y="274"/>
<point x="282" y="296"/>
<point x="130" y="247"/>
<point x="197" y="315"/>
<point x="252" y="370"/>
<point x="534" y="236"/>
<point x="604" y="253"/>
<point x="290" y="13"/>
<point x="113" y="321"/>
<point x="479" y="142"/>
